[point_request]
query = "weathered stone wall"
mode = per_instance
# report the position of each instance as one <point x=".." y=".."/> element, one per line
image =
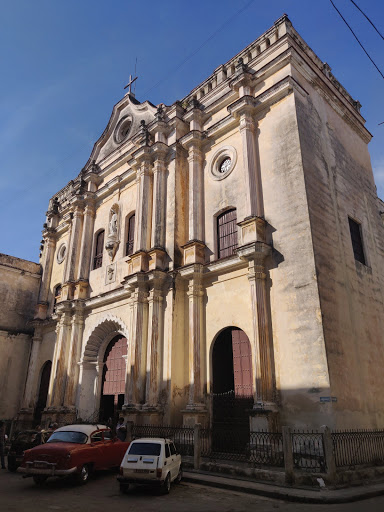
<point x="19" y="287"/>
<point x="339" y="184"/>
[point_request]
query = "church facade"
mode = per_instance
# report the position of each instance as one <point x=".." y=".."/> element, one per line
<point x="224" y="250"/>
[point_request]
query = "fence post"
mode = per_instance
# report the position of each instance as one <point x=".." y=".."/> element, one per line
<point x="129" y="435"/>
<point x="329" y="454"/>
<point x="288" y="455"/>
<point x="196" y="446"/>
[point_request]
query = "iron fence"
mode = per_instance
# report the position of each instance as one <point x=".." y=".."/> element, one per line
<point x="183" y="437"/>
<point x="308" y="451"/>
<point x="358" y="447"/>
<point x="257" y="448"/>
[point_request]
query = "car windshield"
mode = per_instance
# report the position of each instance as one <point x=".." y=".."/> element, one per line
<point x="66" y="436"/>
<point x="145" y="449"/>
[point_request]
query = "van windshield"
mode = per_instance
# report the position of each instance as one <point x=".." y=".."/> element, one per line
<point x="145" y="449"/>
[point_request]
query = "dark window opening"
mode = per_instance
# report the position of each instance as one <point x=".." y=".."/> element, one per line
<point x="357" y="241"/>
<point x="56" y="296"/>
<point x="226" y="234"/>
<point x="98" y="259"/>
<point x="130" y="235"/>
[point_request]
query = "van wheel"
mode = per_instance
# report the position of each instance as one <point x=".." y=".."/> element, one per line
<point x="83" y="477"/>
<point x="166" y="487"/>
<point x="124" y="488"/>
<point x="179" y="475"/>
<point x="39" y="479"/>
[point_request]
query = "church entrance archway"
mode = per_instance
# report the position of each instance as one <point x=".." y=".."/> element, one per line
<point x="43" y="392"/>
<point x="113" y="379"/>
<point x="232" y="397"/>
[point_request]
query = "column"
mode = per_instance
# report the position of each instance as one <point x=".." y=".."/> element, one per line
<point x="137" y="344"/>
<point x="159" y="196"/>
<point x="144" y="201"/>
<point x="264" y="360"/>
<point x="74" y="353"/>
<point x="87" y="241"/>
<point x="72" y="261"/>
<point x="49" y="252"/>
<point x="59" y="364"/>
<point x="196" y="193"/>
<point x="155" y="338"/>
<point x="33" y="371"/>
<point x="254" y="197"/>
<point x="196" y="338"/>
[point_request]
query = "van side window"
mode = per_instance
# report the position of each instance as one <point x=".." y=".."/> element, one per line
<point x="167" y="454"/>
<point x="173" y="449"/>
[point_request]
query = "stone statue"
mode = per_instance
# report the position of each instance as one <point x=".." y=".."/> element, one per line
<point x="113" y="224"/>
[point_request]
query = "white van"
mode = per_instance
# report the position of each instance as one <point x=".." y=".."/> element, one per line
<point x="152" y="461"/>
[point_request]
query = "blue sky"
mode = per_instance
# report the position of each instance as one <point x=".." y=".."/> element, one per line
<point x="64" y="66"/>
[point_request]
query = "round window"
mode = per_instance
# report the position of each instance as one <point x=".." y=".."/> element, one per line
<point x="223" y="162"/>
<point x="225" y="165"/>
<point x="61" y="253"/>
<point x="122" y="129"/>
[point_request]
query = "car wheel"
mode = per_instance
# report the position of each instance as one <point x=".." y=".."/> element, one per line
<point x="124" y="488"/>
<point x="179" y="475"/>
<point x="83" y="476"/>
<point x="39" y="479"/>
<point x="166" y="487"/>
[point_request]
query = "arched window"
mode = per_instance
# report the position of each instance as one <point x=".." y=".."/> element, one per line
<point x="130" y="230"/>
<point x="99" y="246"/>
<point x="226" y="233"/>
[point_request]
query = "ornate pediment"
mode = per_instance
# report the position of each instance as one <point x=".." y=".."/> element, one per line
<point x="124" y="124"/>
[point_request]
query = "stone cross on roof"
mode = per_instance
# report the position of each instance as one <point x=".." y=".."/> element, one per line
<point x="129" y="84"/>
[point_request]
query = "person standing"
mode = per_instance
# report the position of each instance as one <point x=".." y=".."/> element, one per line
<point x="121" y="429"/>
<point x="2" y="444"/>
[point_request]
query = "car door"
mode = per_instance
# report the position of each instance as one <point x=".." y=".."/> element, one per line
<point x="175" y="460"/>
<point x="97" y="452"/>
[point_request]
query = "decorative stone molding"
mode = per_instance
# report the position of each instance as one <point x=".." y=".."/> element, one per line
<point x="95" y="339"/>
<point x="194" y="252"/>
<point x="252" y="230"/>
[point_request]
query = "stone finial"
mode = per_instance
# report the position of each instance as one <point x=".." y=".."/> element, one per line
<point x="160" y="113"/>
<point x="144" y="133"/>
<point x="240" y="66"/>
<point x="193" y="103"/>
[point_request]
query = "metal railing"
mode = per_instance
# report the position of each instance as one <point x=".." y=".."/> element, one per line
<point x="257" y="448"/>
<point x="358" y="447"/>
<point x="183" y="437"/>
<point x="308" y="451"/>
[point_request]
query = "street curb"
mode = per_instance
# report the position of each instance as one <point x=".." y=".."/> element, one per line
<point x="286" y="496"/>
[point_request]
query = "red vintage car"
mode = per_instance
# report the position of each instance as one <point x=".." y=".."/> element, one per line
<point x="76" y="450"/>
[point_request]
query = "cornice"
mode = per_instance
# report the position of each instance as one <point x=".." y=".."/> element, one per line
<point x="107" y="298"/>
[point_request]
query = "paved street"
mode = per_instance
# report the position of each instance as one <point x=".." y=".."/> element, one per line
<point x="102" y="494"/>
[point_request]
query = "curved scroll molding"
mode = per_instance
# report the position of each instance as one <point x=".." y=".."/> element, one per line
<point x="110" y="325"/>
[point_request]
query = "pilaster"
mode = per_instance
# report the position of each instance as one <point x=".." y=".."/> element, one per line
<point x="29" y="400"/>
<point x="86" y="240"/>
<point x="49" y="235"/>
<point x="156" y="281"/>
<point x="256" y="254"/>
<point x="58" y="379"/>
<point x="74" y="353"/>
<point x="136" y="361"/>
<point x="243" y="109"/>
<point x="159" y="152"/>
<point x="72" y="261"/>
<point x="142" y="164"/>
<point x="196" y="340"/>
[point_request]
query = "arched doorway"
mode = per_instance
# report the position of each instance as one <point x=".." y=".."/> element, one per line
<point x="113" y="381"/>
<point x="232" y="385"/>
<point x="43" y="392"/>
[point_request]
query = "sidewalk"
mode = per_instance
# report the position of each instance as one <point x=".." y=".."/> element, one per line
<point x="326" y="496"/>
